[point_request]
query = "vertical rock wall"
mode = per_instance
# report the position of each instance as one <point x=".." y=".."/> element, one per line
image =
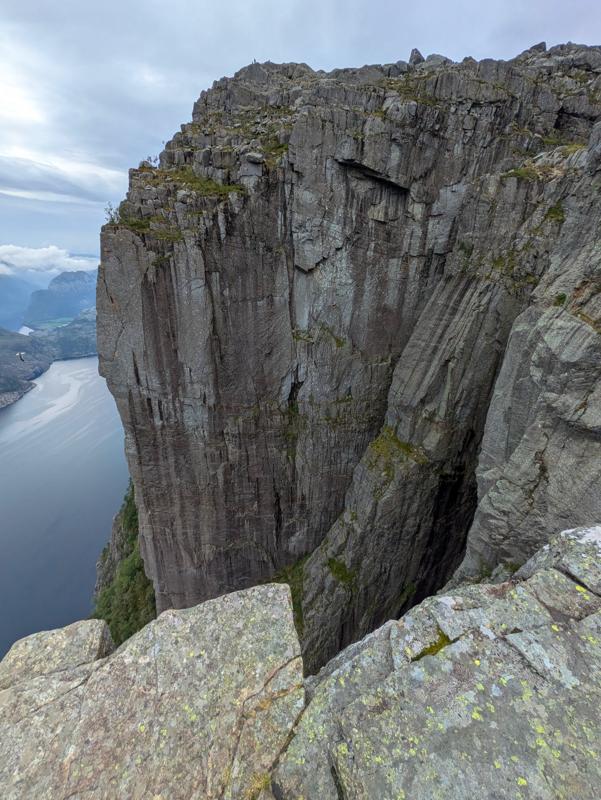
<point x="304" y="308"/>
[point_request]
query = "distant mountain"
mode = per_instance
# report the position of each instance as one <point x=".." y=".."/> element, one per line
<point x="14" y="299"/>
<point x="75" y="340"/>
<point x="66" y="296"/>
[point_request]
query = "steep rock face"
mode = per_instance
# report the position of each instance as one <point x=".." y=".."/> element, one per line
<point x="488" y="691"/>
<point x="540" y="462"/>
<point x="303" y="311"/>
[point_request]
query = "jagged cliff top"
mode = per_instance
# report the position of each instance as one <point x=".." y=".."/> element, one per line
<point x="244" y="125"/>
<point x="492" y="691"/>
<point x="562" y="57"/>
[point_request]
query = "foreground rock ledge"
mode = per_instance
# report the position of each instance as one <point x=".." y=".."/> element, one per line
<point x="491" y="691"/>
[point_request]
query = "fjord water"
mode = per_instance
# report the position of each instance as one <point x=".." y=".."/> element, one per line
<point x="62" y="479"/>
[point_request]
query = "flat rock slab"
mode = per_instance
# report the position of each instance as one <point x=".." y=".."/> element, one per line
<point x="489" y="691"/>
<point x="51" y="651"/>
<point x="198" y="704"/>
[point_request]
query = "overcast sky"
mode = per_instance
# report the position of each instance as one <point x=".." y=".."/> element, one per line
<point x="88" y="89"/>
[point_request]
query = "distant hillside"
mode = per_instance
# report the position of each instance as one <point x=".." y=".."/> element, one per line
<point x="14" y="299"/>
<point x="75" y="340"/>
<point x="40" y="349"/>
<point x="16" y="375"/>
<point x="66" y="296"/>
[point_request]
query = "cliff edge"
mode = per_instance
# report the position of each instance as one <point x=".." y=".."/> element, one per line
<point x="351" y="322"/>
<point x="491" y="690"/>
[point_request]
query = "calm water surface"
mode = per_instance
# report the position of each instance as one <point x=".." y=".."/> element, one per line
<point x="62" y="479"/>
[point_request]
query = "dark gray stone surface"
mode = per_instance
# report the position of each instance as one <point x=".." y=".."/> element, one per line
<point x="303" y="313"/>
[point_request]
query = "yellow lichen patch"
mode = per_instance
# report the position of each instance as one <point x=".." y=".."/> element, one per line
<point x="258" y="783"/>
<point x="522" y="781"/>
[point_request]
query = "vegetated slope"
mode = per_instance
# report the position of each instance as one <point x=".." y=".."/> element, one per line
<point x="124" y="597"/>
<point x="16" y="375"/>
<point x="76" y="339"/>
<point x="304" y="312"/>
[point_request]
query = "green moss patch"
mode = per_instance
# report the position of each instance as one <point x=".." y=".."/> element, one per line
<point x="388" y="446"/>
<point x="203" y="186"/>
<point x="441" y="642"/>
<point x="342" y="573"/>
<point x="528" y="173"/>
<point x="556" y="214"/>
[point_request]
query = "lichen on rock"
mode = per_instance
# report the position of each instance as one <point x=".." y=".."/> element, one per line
<point x="487" y="690"/>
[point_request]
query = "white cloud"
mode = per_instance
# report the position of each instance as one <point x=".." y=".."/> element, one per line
<point x="52" y="260"/>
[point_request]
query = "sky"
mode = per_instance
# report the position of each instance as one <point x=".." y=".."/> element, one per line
<point x="88" y="89"/>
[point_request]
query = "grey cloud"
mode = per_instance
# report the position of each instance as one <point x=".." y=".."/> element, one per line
<point x="36" y="178"/>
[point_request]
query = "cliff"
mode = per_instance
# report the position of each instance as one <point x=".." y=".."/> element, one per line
<point x="492" y="691"/>
<point x="351" y="323"/>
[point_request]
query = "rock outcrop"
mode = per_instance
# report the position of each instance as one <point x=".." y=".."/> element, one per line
<point x="491" y="691"/>
<point x="199" y="704"/>
<point x="334" y="291"/>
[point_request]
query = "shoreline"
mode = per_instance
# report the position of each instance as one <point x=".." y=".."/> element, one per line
<point x="8" y="399"/>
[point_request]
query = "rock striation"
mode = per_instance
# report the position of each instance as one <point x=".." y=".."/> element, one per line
<point x="490" y="690"/>
<point x="352" y="325"/>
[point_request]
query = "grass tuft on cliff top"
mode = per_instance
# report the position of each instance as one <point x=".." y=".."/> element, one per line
<point x="128" y="602"/>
